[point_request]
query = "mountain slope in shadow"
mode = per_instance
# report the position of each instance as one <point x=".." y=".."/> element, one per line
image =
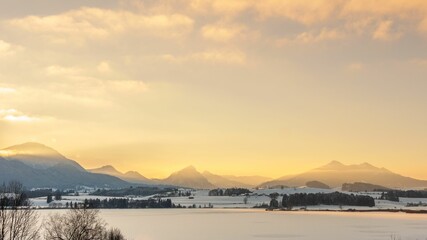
<point x="36" y="165"/>
<point x="188" y="177"/>
<point x="130" y="176"/>
<point x="334" y="174"/>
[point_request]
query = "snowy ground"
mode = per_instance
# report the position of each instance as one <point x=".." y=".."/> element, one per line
<point x="201" y="198"/>
<point x="227" y="222"/>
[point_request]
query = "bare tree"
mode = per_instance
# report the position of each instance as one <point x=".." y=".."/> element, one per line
<point x="79" y="224"/>
<point x="113" y="234"/>
<point x="18" y="221"/>
<point x="245" y="199"/>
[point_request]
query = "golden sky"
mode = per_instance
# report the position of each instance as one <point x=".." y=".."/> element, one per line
<point x="268" y="87"/>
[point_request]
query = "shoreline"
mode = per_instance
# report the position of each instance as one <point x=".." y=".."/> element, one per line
<point x="409" y="211"/>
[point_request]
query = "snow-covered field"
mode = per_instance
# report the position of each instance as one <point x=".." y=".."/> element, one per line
<point x="257" y="224"/>
<point x="201" y="199"/>
<point x="232" y="219"/>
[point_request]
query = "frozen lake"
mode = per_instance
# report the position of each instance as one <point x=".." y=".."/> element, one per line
<point x="236" y="224"/>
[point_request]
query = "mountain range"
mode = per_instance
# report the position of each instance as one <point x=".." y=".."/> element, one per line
<point x="186" y="177"/>
<point x="130" y="176"/>
<point x="37" y="165"/>
<point x="335" y="174"/>
<point x="189" y="177"/>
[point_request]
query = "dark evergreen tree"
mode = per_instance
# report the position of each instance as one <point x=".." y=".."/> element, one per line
<point x="49" y="198"/>
<point x="58" y="195"/>
<point x="335" y="198"/>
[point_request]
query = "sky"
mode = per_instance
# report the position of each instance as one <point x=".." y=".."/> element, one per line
<point x="242" y="87"/>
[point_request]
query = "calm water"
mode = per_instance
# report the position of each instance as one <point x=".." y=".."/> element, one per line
<point x="224" y="224"/>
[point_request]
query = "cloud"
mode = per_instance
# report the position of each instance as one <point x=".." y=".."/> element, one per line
<point x="99" y="81"/>
<point x="222" y="7"/>
<point x="7" y="90"/>
<point x="377" y="20"/>
<point x="98" y="86"/>
<point x="221" y="32"/>
<point x="216" y="56"/>
<point x="103" y="67"/>
<point x="355" y="67"/>
<point x="8" y="49"/>
<point x="311" y="37"/>
<point x="171" y="58"/>
<point x="361" y="14"/>
<point x="359" y="26"/>
<point x="21" y="118"/>
<point x="422" y="27"/>
<point x="419" y="62"/>
<point x="410" y="14"/>
<point x="229" y="57"/>
<point x="96" y="23"/>
<point x="125" y="86"/>
<point x="57" y="70"/>
<point x="384" y="31"/>
<point x="307" y="12"/>
<point x="303" y="11"/>
<point x="13" y="115"/>
<point x="398" y="8"/>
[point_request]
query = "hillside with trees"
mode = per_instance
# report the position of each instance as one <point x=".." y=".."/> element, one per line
<point x="335" y="198"/>
<point x="363" y="187"/>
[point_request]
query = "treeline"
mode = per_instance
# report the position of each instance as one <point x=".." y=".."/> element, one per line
<point x="126" y="203"/>
<point x="12" y="195"/>
<point x="363" y="187"/>
<point x="394" y="195"/>
<point x="19" y="221"/>
<point x="131" y="191"/>
<point x="49" y="191"/>
<point x="419" y="204"/>
<point x="179" y="193"/>
<point x="229" y="192"/>
<point x="335" y="198"/>
<point x="39" y="193"/>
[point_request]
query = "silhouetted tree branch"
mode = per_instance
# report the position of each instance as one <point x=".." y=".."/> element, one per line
<point x="18" y="221"/>
<point x="79" y="224"/>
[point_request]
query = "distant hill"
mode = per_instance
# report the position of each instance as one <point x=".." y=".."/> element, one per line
<point x="36" y="165"/>
<point x="131" y="176"/>
<point x="134" y="176"/>
<point x="223" y="182"/>
<point x="37" y="156"/>
<point x="188" y="177"/>
<point x="107" y="169"/>
<point x="334" y="174"/>
<point x="249" y="180"/>
<point x="316" y="184"/>
<point x="362" y="187"/>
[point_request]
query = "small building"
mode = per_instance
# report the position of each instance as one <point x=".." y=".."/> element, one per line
<point x="56" y="204"/>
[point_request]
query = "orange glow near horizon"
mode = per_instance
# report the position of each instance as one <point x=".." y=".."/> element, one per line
<point x="243" y="87"/>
